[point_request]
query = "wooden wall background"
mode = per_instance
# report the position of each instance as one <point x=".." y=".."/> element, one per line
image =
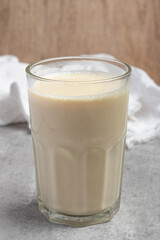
<point x="127" y="29"/>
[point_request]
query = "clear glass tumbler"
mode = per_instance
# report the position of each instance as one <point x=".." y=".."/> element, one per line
<point x="78" y="111"/>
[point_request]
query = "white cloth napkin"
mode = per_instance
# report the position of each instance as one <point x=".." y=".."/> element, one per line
<point x="144" y="101"/>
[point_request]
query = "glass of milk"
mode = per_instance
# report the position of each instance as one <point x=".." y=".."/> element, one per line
<point x="78" y="109"/>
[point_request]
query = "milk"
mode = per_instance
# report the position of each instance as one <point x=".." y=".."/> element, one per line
<point x="78" y="132"/>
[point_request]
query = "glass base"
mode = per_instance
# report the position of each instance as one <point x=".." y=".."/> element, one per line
<point x="79" y="221"/>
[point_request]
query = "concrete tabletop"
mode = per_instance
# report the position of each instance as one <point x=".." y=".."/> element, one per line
<point x="139" y="215"/>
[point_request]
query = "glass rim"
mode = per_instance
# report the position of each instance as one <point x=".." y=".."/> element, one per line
<point x="109" y="60"/>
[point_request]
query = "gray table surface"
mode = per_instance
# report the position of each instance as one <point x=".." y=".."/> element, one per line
<point x="139" y="215"/>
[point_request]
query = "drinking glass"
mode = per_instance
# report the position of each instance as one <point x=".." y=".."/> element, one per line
<point x="78" y="112"/>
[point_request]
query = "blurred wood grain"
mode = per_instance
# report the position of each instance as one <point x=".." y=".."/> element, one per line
<point x="127" y="29"/>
